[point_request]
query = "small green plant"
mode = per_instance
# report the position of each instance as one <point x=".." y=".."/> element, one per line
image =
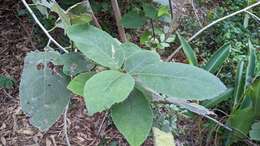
<point x="6" y="82"/>
<point x="120" y="78"/>
<point x="129" y="74"/>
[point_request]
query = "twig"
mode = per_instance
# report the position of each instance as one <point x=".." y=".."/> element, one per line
<point x="102" y="123"/>
<point x="95" y="20"/>
<point x="196" y="13"/>
<point x="117" y="14"/>
<point x="65" y="124"/>
<point x="254" y="16"/>
<point x="173" y="23"/>
<point x="171" y="9"/>
<point x="153" y="31"/>
<point x="213" y="23"/>
<point x="42" y="27"/>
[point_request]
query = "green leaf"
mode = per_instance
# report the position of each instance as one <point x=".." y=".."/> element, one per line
<point x="190" y="54"/>
<point x="180" y="81"/>
<point x="97" y="45"/>
<point x="163" y="11"/>
<point x="42" y="6"/>
<point x="43" y="89"/>
<point x="145" y="37"/>
<point x="133" y="118"/>
<point x="216" y="100"/>
<point x="139" y="60"/>
<point x="77" y="84"/>
<point x="80" y="13"/>
<point x="246" y="19"/>
<point x="254" y="133"/>
<point x="218" y="58"/>
<point x="129" y="49"/>
<point x="251" y="65"/>
<point x="254" y="93"/>
<point x="239" y="83"/>
<point x="241" y="120"/>
<point x="162" y="138"/>
<point x="133" y="19"/>
<point x="6" y="82"/>
<point x="63" y="16"/>
<point x="105" y="89"/>
<point x="74" y="63"/>
<point x="150" y="11"/>
<point x="80" y="19"/>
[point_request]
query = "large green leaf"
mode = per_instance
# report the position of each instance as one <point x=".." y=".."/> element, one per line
<point x="105" y="89"/>
<point x="251" y="65"/>
<point x="162" y="138"/>
<point x="97" y="45"/>
<point x="133" y="19"/>
<point x="239" y="83"/>
<point x="180" y="81"/>
<point x="74" y="63"/>
<point x="77" y="84"/>
<point x="190" y="54"/>
<point x="217" y="59"/>
<point x="254" y="133"/>
<point x="139" y="60"/>
<point x="43" y="89"/>
<point x="129" y="49"/>
<point x="133" y="118"/>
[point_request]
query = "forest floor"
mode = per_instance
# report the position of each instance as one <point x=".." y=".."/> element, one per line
<point x="15" y="129"/>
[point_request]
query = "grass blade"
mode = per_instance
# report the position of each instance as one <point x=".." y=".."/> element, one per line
<point x="218" y="58"/>
<point x="251" y="65"/>
<point x="239" y="83"/>
<point x="190" y="54"/>
<point x="222" y="97"/>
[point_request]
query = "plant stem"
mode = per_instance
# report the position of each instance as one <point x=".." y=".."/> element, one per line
<point x="213" y="23"/>
<point x="95" y="20"/>
<point x="42" y="27"/>
<point x="117" y="14"/>
<point x="152" y="29"/>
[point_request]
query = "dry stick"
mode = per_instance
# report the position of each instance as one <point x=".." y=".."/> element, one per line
<point x="173" y="23"/>
<point x="42" y="27"/>
<point x="117" y="14"/>
<point x="93" y="15"/>
<point x="196" y="13"/>
<point x="211" y="24"/>
<point x="65" y="124"/>
<point x="254" y="16"/>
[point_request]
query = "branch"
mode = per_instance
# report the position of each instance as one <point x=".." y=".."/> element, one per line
<point x="42" y="27"/>
<point x="254" y="16"/>
<point x="93" y="15"/>
<point x="213" y="23"/>
<point x="117" y="14"/>
<point x="196" y="13"/>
